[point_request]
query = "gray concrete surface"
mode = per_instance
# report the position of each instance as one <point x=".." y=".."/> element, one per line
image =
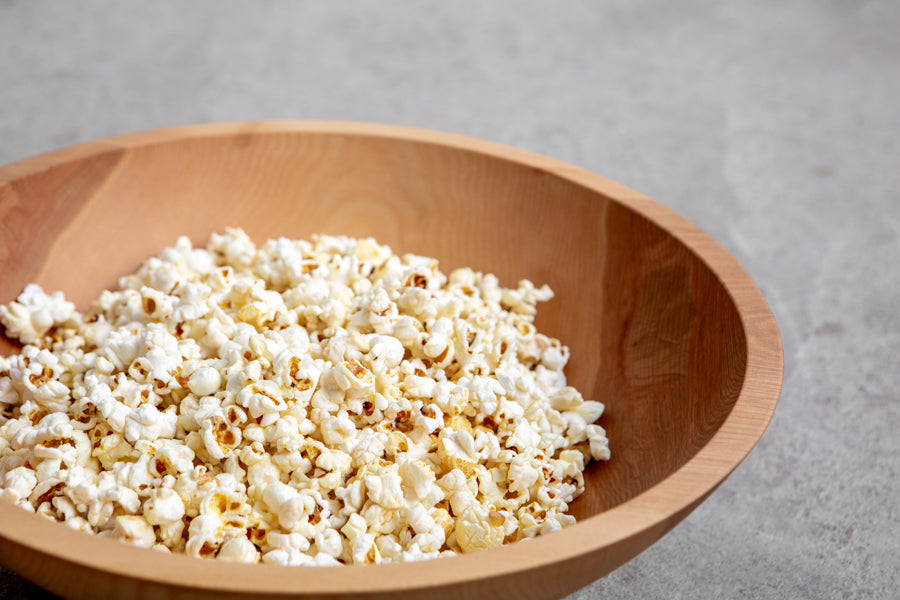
<point x="775" y="126"/>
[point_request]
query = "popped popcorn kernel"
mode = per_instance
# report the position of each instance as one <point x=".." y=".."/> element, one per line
<point x="318" y="402"/>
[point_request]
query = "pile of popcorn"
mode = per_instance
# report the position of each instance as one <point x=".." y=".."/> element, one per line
<point x="302" y="403"/>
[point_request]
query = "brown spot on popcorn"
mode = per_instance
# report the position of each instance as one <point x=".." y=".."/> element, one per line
<point x="38" y="380"/>
<point x="227" y="438"/>
<point x="37" y="415"/>
<point x="403" y="426"/>
<point x="416" y="280"/>
<point x="138" y="368"/>
<point x="207" y="549"/>
<point x="53" y="491"/>
<point x="257" y="534"/>
<point x="357" y="369"/>
<point x="440" y="357"/>
<point x="219" y="502"/>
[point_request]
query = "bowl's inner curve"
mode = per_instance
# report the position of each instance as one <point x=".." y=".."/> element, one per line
<point x="652" y="331"/>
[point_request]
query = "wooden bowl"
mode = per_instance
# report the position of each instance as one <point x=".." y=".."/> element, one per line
<point x="664" y="326"/>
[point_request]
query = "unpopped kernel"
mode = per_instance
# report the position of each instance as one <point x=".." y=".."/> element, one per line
<point x="314" y="402"/>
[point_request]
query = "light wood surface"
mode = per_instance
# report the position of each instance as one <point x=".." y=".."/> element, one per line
<point x="664" y="326"/>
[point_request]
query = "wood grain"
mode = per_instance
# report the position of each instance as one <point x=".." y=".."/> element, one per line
<point x="664" y="326"/>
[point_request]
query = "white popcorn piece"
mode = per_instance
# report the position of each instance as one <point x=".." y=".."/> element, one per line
<point x="419" y="387"/>
<point x="337" y="430"/>
<point x="456" y="449"/>
<point x="598" y="442"/>
<point x="309" y="403"/>
<point x="286" y="504"/>
<point x="238" y="549"/>
<point x="135" y="530"/>
<point x="204" y="381"/>
<point x="127" y="498"/>
<point x="55" y="426"/>
<point x="384" y="487"/>
<point x="263" y="400"/>
<point x="385" y="352"/>
<point x="147" y="423"/>
<point x="289" y="542"/>
<point x="328" y="542"/>
<point x="205" y="526"/>
<point x="297" y="371"/>
<point x="459" y="493"/>
<point x="34" y="313"/>
<point x="113" y="411"/>
<point x="203" y="536"/>
<point x="19" y="483"/>
<point x="163" y="507"/>
<point x="419" y="477"/>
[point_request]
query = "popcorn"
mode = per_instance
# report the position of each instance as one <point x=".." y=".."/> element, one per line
<point x="336" y="430"/>
<point x="34" y="313"/>
<point x="18" y="483"/>
<point x="147" y="423"/>
<point x="164" y="507"/>
<point x="204" y="381"/>
<point x="238" y="549"/>
<point x="264" y="401"/>
<point x="599" y="443"/>
<point x="456" y="449"/>
<point x="384" y="487"/>
<point x="135" y="530"/>
<point x="318" y="402"/>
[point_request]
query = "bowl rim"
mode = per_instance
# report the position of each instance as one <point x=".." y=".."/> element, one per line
<point x="653" y="509"/>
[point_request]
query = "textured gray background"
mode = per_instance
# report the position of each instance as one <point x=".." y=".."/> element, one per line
<point x="772" y="125"/>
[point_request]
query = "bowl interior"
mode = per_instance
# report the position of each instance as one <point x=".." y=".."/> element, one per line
<point x="653" y="331"/>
